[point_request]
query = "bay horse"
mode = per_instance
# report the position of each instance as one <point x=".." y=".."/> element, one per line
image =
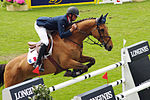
<point x="67" y="53"/>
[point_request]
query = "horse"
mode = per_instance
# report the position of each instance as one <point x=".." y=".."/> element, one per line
<point x="67" y="53"/>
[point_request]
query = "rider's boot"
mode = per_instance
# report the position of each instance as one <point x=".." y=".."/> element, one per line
<point x="42" y="51"/>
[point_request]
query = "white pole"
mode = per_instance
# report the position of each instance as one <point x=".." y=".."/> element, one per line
<point x="117" y="82"/>
<point x="86" y="76"/>
<point x="133" y="90"/>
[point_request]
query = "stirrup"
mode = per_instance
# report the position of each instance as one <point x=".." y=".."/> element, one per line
<point x="40" y="67"/>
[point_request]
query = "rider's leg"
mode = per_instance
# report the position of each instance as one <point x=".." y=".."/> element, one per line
<point x="44" y="39"/>
<point x="42" y="51"/>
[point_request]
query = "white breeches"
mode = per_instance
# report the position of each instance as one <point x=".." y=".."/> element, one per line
<point x="41" y="31"/>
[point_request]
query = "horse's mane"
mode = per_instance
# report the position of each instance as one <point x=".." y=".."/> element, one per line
<point x="83" y="20"/>
<point x="76" y="22"/>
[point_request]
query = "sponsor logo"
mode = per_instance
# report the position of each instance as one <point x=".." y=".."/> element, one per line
<point x="55" y="1"/>
<point x="139" y="51"/>
<point x="105" y="96"/>
<point x="23" y="93"/>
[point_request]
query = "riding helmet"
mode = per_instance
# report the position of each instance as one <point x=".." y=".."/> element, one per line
<point x="73" y="10"/>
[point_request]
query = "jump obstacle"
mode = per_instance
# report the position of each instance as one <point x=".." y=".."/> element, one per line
<point x="135" y="78"/>
<point x="113" y="1"/>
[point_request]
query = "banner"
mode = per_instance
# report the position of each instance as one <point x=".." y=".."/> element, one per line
<point x="104" y="92"/>
<point x="22" y="90"/>
<point x="51" y="3"/>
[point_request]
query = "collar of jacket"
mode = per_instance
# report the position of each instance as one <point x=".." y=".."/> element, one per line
<point x="68" y="19"/>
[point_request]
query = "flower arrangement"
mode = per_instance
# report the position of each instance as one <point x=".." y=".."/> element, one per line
<point x="15" y="3"/>
<point x="41" y="92"/>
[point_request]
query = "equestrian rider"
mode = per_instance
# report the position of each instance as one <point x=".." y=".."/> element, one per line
<point x="58" y="23"/>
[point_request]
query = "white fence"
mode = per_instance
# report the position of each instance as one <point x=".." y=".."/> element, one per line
<point x="80" y="78"/>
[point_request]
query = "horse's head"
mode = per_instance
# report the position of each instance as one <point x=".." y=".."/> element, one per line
<point x="95" y="27"/>
<point x="100" y="32"/>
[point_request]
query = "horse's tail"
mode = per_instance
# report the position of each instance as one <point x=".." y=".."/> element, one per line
<point x="2" y="69"/>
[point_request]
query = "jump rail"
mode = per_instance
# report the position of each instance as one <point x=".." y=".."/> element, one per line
<point x="117" y="82"/>
<point x="133" y="90"/>
<point x="86" y="76"/>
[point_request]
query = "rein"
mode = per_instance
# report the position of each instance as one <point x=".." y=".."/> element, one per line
<point x="93" y="42"/>
<point x="80" y="45"/>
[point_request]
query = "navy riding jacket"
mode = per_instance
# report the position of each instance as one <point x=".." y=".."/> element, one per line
<point x="59" y="23"/>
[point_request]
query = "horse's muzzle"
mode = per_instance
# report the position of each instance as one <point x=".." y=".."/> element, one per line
<point x="109" y="48"/>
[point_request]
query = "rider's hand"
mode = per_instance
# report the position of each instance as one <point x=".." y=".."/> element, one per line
<point x="73" y="28"/>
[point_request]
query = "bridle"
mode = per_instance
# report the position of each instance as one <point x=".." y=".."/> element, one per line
<point x="102" y="37"/>
<point x="93" y="42"/>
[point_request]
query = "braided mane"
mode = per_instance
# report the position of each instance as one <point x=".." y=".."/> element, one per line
<point x="84" y="20"/>
<point x="80" y="21"/>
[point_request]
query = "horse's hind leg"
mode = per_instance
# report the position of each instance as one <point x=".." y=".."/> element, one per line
<point x="12" y="76"/>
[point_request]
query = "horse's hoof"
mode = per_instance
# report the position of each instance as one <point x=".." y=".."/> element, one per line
<point x="85" y="69"/>
<point x="68" y="73"/>
<point x="77" y="72"/>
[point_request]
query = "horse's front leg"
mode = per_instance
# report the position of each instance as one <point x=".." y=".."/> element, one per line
<point x="85" y="59"/>
<point x="78" y="71"/>
<point x="73" y="64"/>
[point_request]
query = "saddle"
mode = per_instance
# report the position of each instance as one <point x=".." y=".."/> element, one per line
<point x="34" y="45"/>
<point x="34" y="50"/>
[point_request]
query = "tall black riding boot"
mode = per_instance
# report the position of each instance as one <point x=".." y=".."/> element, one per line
<point x="42" y="51"/>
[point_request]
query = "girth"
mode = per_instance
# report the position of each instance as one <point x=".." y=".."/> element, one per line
<point x="58" y="67"/>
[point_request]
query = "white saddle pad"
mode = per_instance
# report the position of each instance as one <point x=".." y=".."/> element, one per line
<point x="32" y="56"/>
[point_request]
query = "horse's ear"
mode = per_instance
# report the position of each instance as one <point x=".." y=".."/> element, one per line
<point x="101" y="17"/>
<point x="105" y="15"/>
<point x="98" y="20"/>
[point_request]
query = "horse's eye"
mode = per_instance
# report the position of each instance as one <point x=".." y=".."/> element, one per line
<point x="102" y="30"/>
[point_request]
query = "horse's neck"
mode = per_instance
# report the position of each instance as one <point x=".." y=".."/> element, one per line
<point x="78" y="36"/>
<point x="84" y="29"/>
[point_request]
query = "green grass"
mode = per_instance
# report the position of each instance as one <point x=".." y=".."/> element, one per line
<point x="128" y="21"/>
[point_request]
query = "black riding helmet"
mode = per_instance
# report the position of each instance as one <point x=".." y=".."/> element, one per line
<point x="73" y="10"/>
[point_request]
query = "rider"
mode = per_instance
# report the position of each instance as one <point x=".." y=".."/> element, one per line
<point x="59" y="23"/>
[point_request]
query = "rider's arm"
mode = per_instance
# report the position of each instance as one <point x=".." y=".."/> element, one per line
<point x="61" y="29"/>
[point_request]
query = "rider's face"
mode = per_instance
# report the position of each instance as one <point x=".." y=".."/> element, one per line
<point x="74" y="17"/>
